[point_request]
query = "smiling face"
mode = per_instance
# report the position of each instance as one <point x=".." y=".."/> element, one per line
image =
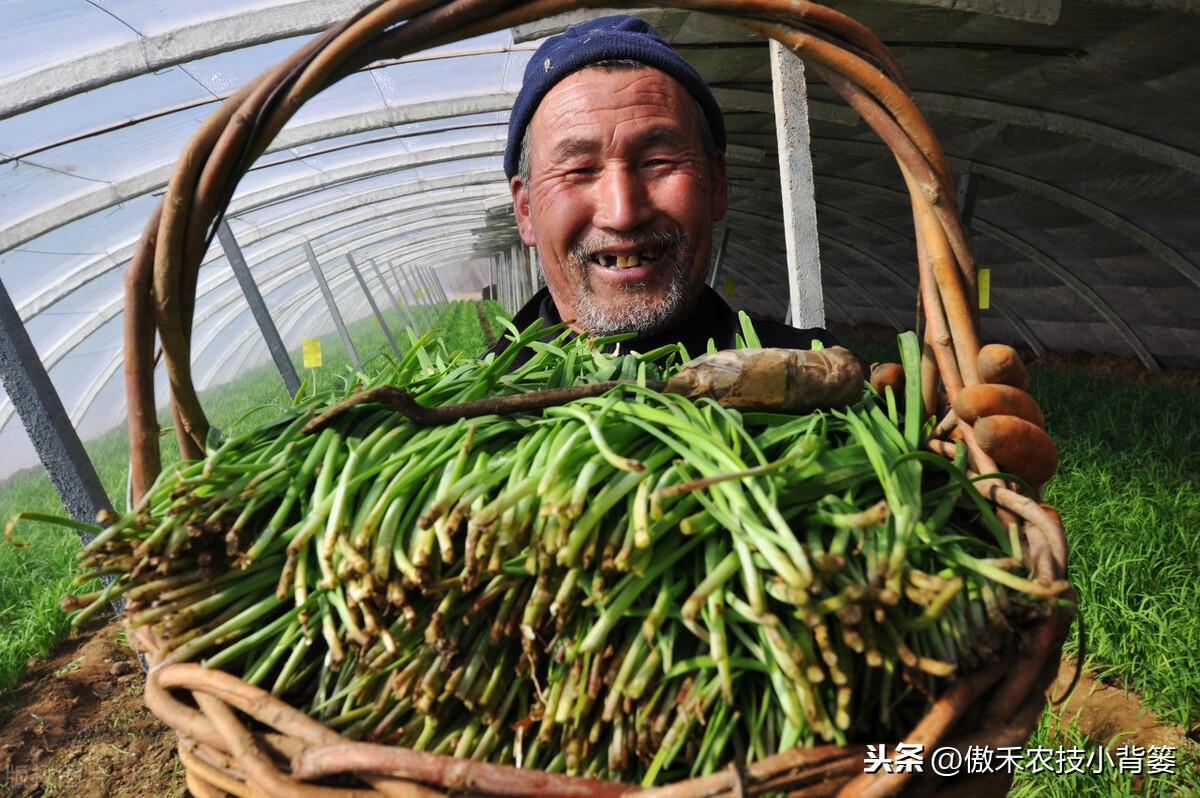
<point x="620" y="198"/>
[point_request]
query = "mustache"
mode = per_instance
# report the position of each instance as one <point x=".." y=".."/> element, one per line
<point x="669" y="241"/>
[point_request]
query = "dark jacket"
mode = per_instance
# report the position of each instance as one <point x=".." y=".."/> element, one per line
<point x="710" y="318"/>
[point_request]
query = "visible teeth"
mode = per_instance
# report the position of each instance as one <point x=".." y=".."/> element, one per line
<point x="620" y="261"/>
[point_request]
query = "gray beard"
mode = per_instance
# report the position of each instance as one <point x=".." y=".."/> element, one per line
<point x="637" y="310"/>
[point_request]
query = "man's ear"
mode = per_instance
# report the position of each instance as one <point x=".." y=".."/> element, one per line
<point x="720" y="189"/>
<point x="520" y="195"/>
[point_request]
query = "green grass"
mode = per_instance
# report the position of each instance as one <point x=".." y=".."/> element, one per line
<point x="1128" y="489"/>
<point x="1059" y="730"/>
<point x="34" y="580"/>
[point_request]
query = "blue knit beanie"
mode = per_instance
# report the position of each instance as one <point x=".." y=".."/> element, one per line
<point x="607" y="38"/>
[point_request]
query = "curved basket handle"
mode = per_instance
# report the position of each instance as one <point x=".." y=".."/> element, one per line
<point x="843" y="52"/>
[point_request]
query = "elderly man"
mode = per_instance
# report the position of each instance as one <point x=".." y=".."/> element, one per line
<point x="616" y="163"/>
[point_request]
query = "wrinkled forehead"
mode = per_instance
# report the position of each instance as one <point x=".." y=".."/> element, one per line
<point x="604" y="104"/>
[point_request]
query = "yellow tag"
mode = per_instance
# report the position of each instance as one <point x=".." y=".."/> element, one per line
<point x="312" y="353"/>
<point x="728" y="287"/>
<point x="418" y="293"/>
<point x="376" y="320"/>
<point x="985" y="288"/>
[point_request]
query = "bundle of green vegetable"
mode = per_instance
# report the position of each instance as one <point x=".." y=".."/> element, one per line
<point x="636" y="586"/>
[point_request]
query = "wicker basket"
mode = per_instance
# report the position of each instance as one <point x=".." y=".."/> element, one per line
<point x="240" y="740"/>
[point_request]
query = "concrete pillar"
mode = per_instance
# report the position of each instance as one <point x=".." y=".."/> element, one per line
<point x="805" y="298"/>
<point x="49" y="427"/>
<point x="41" y="410"/>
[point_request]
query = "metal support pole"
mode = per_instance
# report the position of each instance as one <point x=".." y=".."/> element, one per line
<point x="333" y="309"/>
<point x="374" y="307"/>
<point x="509" y="281"/>
<point x="418" y="297"/>
<point x="805" y="298"/>
<point x="514" y="261"/>
<point x="441" y="287"/>
<point x="535" y="274"/>
<point x="406" y="296"/>
<point x="400" y="311"/>
<point x="427" y="304"/>
<point x="437" y="285"/>
<point x="514" y="278"/>
<point x="521" y="269"/>
<point x="518" y="283"/>
<point x="279" y="353"/>
<point x="432" y="279"/>
<point x="514" y="273"/>
<point x="41" y="410"/>
<point x="501" y="285"/>
<point x="435" y="292"/>
<point x="430" y="301"/>
<point x="712" y="277"/>
<point x="419" y="288"/>
<point x="502" y="280"/>
<point x="391" y="295"/>
<point x="434" y="285"/>
<point x="527" y="270"/>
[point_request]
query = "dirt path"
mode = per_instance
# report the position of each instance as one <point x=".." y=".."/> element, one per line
<point x="1104" y="711"/>
<point x="77" y="727"/>
<point x="486" y="324"/>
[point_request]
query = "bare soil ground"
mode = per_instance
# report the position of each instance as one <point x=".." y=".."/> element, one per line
<point x="1106" y="712"/>
<point x="77" y="726"/>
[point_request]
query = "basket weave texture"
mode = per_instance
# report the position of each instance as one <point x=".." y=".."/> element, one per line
<point x="235" y="739"/>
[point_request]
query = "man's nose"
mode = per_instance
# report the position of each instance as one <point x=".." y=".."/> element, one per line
<point x="622" y="202"/>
